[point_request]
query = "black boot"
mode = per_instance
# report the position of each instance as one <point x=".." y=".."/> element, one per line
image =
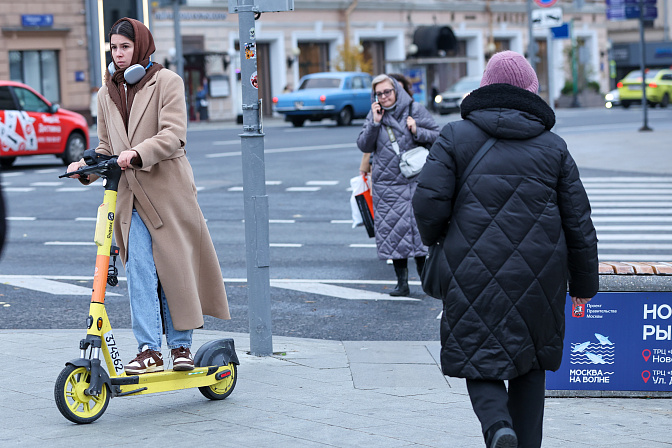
<point x="402" y="288"/>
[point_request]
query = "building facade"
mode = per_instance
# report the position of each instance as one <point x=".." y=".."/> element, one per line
<point x="60" y="48"/>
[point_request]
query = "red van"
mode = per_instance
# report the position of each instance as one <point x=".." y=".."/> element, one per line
<point x="30" y="125"/>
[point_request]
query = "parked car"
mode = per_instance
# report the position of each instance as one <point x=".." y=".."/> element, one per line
<point x="340" y="96"/>
<point x="30" y="125"/>
<point x="658" y="88"/>
<point x="450" y="100"/>
<point x="612" y="99"/>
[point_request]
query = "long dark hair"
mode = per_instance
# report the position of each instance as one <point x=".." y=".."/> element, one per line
<point x="125" y="29"/>
<point x="405" y="83"/>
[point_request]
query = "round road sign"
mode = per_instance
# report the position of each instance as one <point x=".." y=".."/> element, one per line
<point x="545" y="3"/>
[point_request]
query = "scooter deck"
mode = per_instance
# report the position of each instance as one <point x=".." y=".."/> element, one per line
<point x="168" y="380"/>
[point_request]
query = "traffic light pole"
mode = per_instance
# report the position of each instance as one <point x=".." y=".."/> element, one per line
<point x="254" y="189"/>
<point x="642" y="66"/>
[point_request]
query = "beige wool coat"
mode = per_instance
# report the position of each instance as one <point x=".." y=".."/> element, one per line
<point x="163" y="192"/>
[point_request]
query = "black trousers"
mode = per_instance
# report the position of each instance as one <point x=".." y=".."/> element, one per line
<point x="522" y="405"/>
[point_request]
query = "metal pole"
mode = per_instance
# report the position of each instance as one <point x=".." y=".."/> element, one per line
<point x="666" y="26"/>
<point x="254" y="189"/>
<point x="179" y="58"/>
<point x="530" y="45"/>
<point x="575" y="68"/>
<point x="642" y="66"/>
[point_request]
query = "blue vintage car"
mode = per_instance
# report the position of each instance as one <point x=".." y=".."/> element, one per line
<point x="340" y="96"/>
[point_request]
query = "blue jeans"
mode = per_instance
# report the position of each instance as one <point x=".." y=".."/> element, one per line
<point x="143" y="286"/>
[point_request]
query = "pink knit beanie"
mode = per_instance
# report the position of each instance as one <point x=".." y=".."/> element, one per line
<point x="509" y="67"/>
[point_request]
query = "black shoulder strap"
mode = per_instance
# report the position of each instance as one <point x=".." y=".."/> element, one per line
<point x="477" y="158"/>
<point x="410" y="108"/>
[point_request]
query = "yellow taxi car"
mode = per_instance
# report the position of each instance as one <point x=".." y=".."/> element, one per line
<point x="658" y="88"/>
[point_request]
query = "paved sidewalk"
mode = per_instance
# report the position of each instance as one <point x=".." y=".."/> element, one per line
<point x="312" y="393"/>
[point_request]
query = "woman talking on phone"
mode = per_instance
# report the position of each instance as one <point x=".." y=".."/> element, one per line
<point x="395" y="116"/>
<point x="172" y="269"/>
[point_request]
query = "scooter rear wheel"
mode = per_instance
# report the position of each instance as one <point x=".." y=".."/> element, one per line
<point x="222" y="389"/>
<point x="71" y="400"/>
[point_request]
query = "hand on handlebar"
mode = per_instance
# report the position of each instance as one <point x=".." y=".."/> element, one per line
<point x="125" y="158"/>
<point x="74" y="166"/>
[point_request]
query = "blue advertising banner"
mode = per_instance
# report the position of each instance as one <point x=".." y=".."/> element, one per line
<point x="618" y="341"/>
<point x="417" y="77"/>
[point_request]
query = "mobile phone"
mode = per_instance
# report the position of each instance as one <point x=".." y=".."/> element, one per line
<point x="377" y="99"/>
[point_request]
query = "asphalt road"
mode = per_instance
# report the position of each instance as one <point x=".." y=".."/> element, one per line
<point x="327" y="282"/>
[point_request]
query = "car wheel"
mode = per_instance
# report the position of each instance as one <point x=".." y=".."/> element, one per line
<point x="625" y="104"/>
<point x="74" y="148"/>
<point x="6" y="162"/>
<point x="665" y="101"/>
<point x="344" y="116"/>
<point x="298" y="122"/>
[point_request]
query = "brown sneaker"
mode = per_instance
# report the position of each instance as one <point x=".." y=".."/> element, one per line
<point x="182" y="359"/>
<point x="146" y="361"/>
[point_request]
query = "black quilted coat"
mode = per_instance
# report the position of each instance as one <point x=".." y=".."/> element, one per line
<point x="397" y="234"/>
<point x="515" y="234"/>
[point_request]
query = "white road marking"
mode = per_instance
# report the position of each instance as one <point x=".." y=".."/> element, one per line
<point x="42" y="284"/>
<point x="48" y="171"/>
<point x="630" y="211"/>
<point x="337" y="291"/>
<point x="322" y="182"/>
<point x="603" y="228"/>
<point x="303" y="188"/>
<point x="13" y="174"/>
<point x="634" y="237"/>
<point x="69" y="243"/>
<point x="290" y="149"/>
<point x="632" y="189"/>
<point x="629" y="246"/>
<point x="226" y="142"/>
<point x="282" y="221"/>
<point x="635" y="257"/>
<point x="52" y="284"/>
<point x="621" y="180"/>
<point x="19" y="189"/>
<point x="440" y="314"/>
<point x="341" y="221"/>
<point x="46" y="184"/>
<point x="21" y="218"/>
<point x="273" y="182"/>
<point x="633" y="198"/>
<point x="86" y="219"/>
<point x="597" y="219"/>
<point x="362" y="245"/>
<point x="74" y="189"/>
<point x="236" y="189"/>
<point x="597" y="204"/>
<point x="285" y="245"/>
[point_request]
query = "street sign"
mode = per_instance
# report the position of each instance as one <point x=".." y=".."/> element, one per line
<point x="37" y="20"/>
<point x="264" y="6"/>
<point x="561" y="32"/>
<point x="545" y="3"/>
<point x="617" y="341"/>
<point x="547" y="18"/>
<point x="624" y="11"/>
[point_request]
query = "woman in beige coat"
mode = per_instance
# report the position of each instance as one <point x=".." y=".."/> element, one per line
<point x="160" y="230"/>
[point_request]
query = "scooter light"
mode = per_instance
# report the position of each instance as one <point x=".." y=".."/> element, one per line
<point x="99" y="323"/>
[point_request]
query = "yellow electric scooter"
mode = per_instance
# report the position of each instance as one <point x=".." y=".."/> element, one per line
<point x="84" y="388"/>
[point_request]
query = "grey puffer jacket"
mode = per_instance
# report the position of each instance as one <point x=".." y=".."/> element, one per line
<point x="397" y="234"/>
<point x="516" y="232"/>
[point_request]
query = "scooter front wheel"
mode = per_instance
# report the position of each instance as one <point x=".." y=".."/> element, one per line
<point x="71" y="400"/>
<point x="222" y="389"/>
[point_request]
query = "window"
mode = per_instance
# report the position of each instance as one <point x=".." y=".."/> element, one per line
<point x="320" y="83"/>
<point x="38" y="69"/>
<point x="6" y="99"/>
<point x="29" y="101"/>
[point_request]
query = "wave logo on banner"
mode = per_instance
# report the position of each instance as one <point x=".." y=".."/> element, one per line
<point x="590" y="352"/>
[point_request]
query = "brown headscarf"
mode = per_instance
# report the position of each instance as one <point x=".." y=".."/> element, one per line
<point x="143" y="49"/>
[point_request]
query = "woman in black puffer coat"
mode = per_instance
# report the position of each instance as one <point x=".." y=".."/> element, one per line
<point x="513" y="236"/>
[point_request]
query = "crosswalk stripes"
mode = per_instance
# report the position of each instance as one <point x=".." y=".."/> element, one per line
<point x="632" y="216"/>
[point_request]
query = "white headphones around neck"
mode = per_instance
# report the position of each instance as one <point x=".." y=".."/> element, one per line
<point x="132" y="74"/>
